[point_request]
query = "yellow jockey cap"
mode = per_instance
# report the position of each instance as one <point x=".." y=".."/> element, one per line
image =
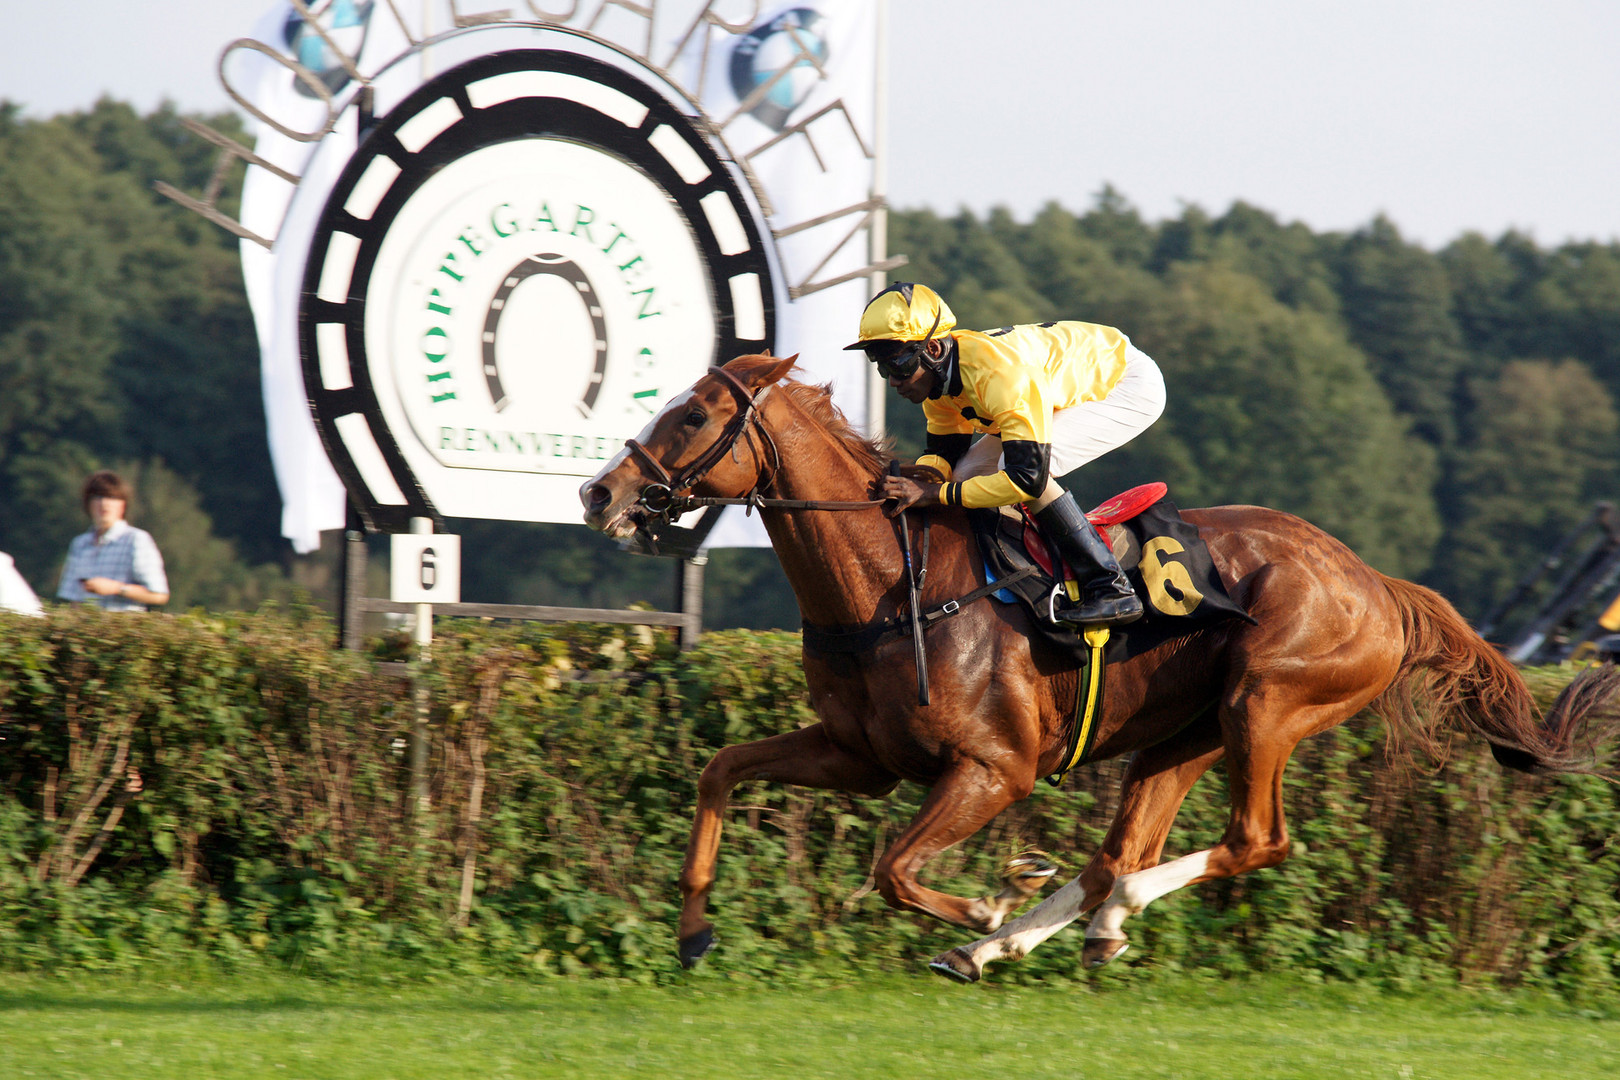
<point x="905" y="311"/>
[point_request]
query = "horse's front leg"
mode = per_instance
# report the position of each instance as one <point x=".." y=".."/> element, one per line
<point x="962" y="801"/>
<point x="805" y="757"/>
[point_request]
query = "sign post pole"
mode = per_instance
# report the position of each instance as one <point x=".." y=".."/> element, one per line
<point x="351" y="617"/>
<point x="424" y="569"/>
<point x="878" y="234"/>
<point x="423" y="634"/>
<point x="689" y="599"/>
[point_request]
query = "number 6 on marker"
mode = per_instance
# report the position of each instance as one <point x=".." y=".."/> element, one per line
<point x="424" y="568"/>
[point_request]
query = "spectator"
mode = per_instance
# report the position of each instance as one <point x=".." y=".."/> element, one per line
<point x="112" y="564"/>
<point x="15" y="595"/>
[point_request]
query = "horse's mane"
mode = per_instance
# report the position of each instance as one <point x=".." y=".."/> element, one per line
<point x="816" y="400"/>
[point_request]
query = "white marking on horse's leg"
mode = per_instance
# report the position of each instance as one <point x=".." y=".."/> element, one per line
<point x="1016" y="938"/>
<point x="1133" y="892"/>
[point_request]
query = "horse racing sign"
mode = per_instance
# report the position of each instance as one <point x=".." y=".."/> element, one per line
<point x="528" y="284"/>
<point x="483" y="254"/>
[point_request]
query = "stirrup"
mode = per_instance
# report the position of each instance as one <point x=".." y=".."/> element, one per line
<point x="1058" y="590"/>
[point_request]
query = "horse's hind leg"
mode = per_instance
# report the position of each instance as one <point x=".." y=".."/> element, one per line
<point x="1156" y="781"/>
<point x="1260" y="732"/>
<point x="805" y="757"/>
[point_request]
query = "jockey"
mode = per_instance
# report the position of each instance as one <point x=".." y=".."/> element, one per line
<point x="1045" y="398"/>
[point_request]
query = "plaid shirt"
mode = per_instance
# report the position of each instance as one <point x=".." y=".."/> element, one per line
<point x="123" y="553"/>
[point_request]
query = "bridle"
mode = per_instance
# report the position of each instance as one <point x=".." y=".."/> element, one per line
<point x="659" y="497"/>
<point x="662" y="497"/>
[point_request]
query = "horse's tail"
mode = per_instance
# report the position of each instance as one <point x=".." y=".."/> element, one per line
<point x="1456" y="673"/>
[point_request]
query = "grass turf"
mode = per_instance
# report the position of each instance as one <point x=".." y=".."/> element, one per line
<point x="288" y="1027"/>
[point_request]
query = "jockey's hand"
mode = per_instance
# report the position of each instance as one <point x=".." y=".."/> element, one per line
<point x="926" y="474"/>
<point x="902" y="493"/>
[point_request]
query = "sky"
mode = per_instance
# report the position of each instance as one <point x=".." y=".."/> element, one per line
<point x="1444" y="115"/>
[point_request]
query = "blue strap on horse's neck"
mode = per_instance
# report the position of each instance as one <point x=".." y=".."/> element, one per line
<point x="1088" y="699"/>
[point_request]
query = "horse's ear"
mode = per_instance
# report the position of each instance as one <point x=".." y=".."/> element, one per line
<point x="770" y="373"/>
<point x="762" y="369"/>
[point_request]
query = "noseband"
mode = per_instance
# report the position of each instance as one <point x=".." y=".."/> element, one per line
<point x="659" y="497"/>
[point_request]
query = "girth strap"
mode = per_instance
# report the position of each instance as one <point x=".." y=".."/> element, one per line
<point x="1088" y="699"/>
<point x="865" y="638"/>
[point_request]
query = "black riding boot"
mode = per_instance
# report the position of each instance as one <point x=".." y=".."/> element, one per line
<point x="1106" y="596"/>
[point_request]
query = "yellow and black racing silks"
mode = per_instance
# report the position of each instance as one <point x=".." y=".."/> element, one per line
<point x="1009" y="382"/>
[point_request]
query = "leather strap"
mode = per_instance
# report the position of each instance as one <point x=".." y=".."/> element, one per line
<point x="862" y="639"/>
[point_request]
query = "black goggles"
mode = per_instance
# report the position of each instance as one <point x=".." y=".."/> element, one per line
<point x="895" y="359"/>
<point x="899" y="359"/>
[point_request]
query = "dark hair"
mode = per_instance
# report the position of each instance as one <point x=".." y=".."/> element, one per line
<point x="109" y="485"/>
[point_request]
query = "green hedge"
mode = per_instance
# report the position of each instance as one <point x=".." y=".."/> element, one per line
<point x="273" y="821"/>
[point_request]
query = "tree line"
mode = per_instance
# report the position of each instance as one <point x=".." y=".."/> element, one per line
<point x="1442" y="412"/>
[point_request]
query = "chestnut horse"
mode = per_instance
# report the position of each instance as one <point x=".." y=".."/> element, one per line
<point x="1332" y="637"/>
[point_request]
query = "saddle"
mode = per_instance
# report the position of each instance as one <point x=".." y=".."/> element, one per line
<point x="1168" y="565"/>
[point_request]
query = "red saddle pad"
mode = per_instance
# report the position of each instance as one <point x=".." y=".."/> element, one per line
<point x="1122" y="507"/>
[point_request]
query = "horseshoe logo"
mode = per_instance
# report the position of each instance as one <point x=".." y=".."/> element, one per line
<point x="557" y="266"/>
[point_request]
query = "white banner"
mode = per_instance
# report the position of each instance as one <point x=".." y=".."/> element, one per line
<point x="312" y="496"/>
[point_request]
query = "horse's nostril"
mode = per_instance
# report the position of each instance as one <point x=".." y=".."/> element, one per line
<point x="597" y="497"/>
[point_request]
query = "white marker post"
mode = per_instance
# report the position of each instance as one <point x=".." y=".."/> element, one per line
<point x="424" y="569"/>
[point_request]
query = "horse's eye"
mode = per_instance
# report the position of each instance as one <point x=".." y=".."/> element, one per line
<point x="696" y="419"/>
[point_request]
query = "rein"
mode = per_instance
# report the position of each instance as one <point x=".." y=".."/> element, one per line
<point x="659" y="496"/>
<point x="680" y="504"/>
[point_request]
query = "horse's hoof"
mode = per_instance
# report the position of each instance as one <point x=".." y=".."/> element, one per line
<point x="1029" y="871"/>
<point x="1099" y="950"/>
<point x="955" y="965"/>
<point x="696" y="947"/>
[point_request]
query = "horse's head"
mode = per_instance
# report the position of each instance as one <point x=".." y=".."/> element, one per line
<point x="706" y="438"/>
